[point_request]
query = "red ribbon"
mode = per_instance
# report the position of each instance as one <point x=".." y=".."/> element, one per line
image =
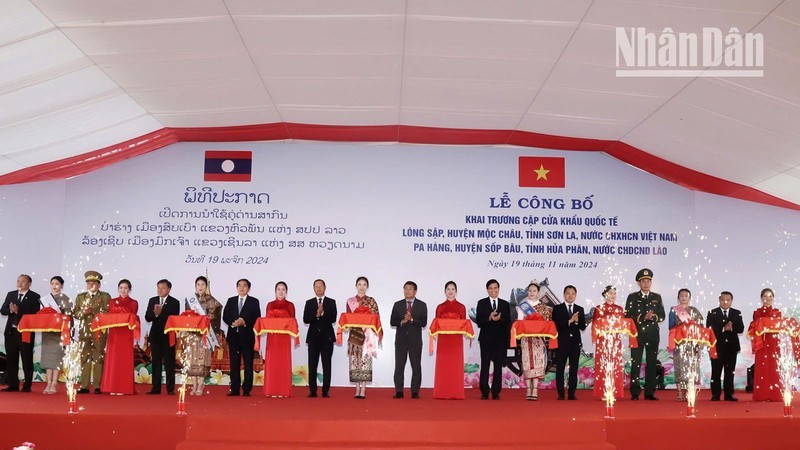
<point x="102" y="322"/>
<point x="618" y="325"/>
<point x="691" y="331"/>
<point x="360" y="320"/>
<point x="774" y="325"/>
<point x="534" y="328"/>
<point x="187" y="321"/>
<point x="46" y="320"/>
<point x="274" y="324"/>
<point x="450" y="323"/>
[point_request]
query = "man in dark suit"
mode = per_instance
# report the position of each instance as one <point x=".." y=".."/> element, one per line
<point x="493" y="316"/>
<point x="320" y="315"/>
<point x="409" y="316"/>
<point x="159" y="308"/>
<point x="647" y="311"/>
<point x="727" y="325"/>
<point x="570" y="321"/>
<point x="18" y="303"/>
<point x="240" y="314"/>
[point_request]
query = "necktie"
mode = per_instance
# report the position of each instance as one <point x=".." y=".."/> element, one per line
<point x="408" y="307"/>
<point x="161" y="301"/>
<point x="319" y="302"/>
<point x="241" y="304"/>
<point x="569" y="308"/>
<point x="19" y="297"/>
<point x="494" y="306"/>
<point x="725" y="314"/>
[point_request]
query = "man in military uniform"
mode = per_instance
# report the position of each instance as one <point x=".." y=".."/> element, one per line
<point x="647" y="310"/>
<point x="87" y="305"/>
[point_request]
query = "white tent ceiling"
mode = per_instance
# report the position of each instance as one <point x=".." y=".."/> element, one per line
<point x="81" y="75"/>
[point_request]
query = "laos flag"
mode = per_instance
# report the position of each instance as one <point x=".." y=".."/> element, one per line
<point x="228" y="165"/>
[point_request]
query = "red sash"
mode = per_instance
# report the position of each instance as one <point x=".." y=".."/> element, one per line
<point x="534" y="328"/>
<point x="47" y="320"/>
<point x="353" y="320"/>
<point x="188" y="321"/>
<point x="102" y="322"/>
<point x="605" y="325"/>
<point x="692" y="332"/>
<point x="276" y="325"/>
<point x="450" y="326"/>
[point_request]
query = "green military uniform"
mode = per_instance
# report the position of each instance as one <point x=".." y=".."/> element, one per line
<point x="636" y="307"/>
<point x="94" y="348"/>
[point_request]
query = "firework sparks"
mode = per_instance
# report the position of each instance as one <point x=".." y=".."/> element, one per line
<point x="72" y="370"/>
<point x="611" y="366"/>
<point x="784" y="236"/>
<point x="787" y="368"/>
<point x="690" y="351"/>
<point x="185" y="358"/>
<point x="610" y="345"/>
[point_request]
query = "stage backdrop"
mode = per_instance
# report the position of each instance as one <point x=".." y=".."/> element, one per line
<point x="300" y="211"/>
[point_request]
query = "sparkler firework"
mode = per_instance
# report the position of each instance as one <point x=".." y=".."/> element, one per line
<point x="185" y="358"/>
<point x="609" y="357"/>
<point x="612" y="364"/>
<point x="787" y="368"/>
<point x="691" y="354"/>
<point x="72" y="369"/>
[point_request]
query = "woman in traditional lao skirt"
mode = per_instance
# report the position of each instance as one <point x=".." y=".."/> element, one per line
<point x="608" y="348"/>
<point x="766" y="379"/>
<point x="52" y="351"/>
<point x="534" y="349"/>
<point x="448" y="382"/>
<point x="200" y="348"/>
<point x="686" y="356"/>
<point x="118" y="368"/>
<point x="362" y="344"/>
<point x="278" y="360"/>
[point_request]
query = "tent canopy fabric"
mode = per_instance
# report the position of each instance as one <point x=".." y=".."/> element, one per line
<point x="88" y="82"/>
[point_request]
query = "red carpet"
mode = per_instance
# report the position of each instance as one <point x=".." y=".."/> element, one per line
<point x="217" y="422"/>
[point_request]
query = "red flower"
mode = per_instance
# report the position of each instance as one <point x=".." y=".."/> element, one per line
<point x="362" y="309"/>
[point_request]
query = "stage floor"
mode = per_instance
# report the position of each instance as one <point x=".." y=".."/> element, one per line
<point x="215" y="421"/>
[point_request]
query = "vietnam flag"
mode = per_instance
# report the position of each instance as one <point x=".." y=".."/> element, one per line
<point x="228" y="165"/>
<point x="542" y="172"/>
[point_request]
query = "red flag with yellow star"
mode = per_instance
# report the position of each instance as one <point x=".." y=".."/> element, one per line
<point x="541" y="171"/>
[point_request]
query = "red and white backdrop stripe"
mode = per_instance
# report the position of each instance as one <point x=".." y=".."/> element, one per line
<point x="428" y="213"/>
